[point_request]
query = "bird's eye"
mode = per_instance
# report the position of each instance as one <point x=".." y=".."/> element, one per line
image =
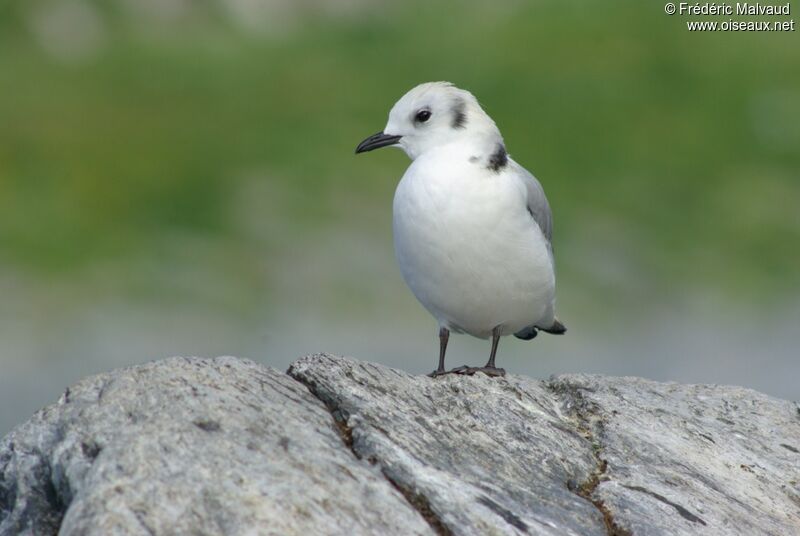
<point x="423" y="115"/>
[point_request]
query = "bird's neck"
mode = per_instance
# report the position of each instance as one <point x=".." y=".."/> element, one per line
<point x="486" y="149"/>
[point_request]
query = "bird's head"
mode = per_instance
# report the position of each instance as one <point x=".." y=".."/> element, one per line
<point x="435" y="114"/>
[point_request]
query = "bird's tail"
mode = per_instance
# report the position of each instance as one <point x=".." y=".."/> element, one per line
<point x="556" y="329"/>
<point x="530" y="332"/>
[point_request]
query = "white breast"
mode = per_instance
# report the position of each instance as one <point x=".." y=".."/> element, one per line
<point x="468" y="248"/>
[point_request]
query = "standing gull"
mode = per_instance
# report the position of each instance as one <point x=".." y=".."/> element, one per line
<point x="472" y="228"/>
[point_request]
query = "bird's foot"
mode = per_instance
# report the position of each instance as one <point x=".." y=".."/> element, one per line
<point x="464" y="370"/>
<point x="458" y="370"/>
<point x="489" y="371"/>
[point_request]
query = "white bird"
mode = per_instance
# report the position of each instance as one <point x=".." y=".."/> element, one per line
<point x="472" y="228"/>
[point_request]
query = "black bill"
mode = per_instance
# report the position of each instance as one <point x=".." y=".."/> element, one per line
<point x="376" y="141"/>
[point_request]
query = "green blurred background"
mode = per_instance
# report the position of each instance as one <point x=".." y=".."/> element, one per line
<point x="178" y="177"/>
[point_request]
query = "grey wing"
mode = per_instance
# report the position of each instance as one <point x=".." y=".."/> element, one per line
<point x="538" y="206"/>
<point x="539" y="209"/>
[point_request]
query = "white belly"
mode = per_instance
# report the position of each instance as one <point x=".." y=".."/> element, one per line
<point x="471" y="253"/>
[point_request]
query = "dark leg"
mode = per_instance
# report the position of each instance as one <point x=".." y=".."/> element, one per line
<point x="444" y="336"/>
<point x="490" y="369"/>
<point x="495" y="342"/>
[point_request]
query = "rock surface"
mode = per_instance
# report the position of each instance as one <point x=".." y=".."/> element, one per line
<point x="192" y="446"/>
<point x="337" y="446"/>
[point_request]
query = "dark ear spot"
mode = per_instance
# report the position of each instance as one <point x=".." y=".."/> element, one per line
<point x="459" y="111"/>
<point x="498" y="159"/>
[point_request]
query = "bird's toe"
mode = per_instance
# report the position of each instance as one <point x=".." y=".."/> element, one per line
<point x="490" y="371"/>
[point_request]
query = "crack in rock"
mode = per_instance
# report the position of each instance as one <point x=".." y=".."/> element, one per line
<point x="417" y="500"/>
<point x="586" y="490"/>
<point x="686" y="514"/>
<point x="421" y="504"/>
<point x="484" y="454"/>
<point x="587" y="419"/>
<point x="212" y="452"/>
<point x="510" y="517"/>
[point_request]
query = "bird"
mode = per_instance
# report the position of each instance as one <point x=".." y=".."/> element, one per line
<point x="472" y="228"/>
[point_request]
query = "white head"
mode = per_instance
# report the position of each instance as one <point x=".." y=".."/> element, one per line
<point x="435" y="114"/>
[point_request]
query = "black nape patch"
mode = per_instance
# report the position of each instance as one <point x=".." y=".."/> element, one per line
<point x="498" y="159"/>
<point x="459" y="114"/>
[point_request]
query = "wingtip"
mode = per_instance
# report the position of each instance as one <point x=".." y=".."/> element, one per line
<point x="556" y="329"/>
<point x="527" y="334"/>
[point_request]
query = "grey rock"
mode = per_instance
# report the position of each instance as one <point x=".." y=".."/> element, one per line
<point x="690" y="459"/>
<point x="192" y="446"/>
<point x="514" y="455"/>
<point x="489" y="456"/>
<point x="337" y="446"/>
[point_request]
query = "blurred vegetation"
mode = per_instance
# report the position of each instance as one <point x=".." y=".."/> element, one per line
<point x="178" y="177"/>
<point x="127" y="128"/>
